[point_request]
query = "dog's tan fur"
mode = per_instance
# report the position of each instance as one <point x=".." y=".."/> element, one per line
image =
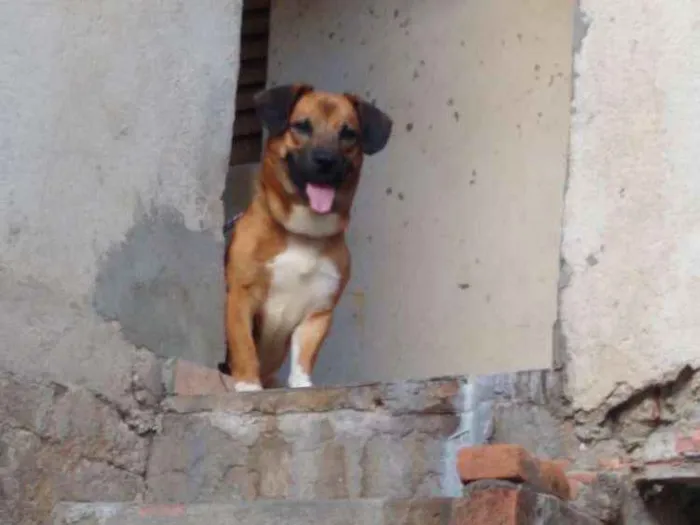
<point x="287" y="265"/>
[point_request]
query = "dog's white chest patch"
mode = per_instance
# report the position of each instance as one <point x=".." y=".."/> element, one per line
<point x="302" y="282"/>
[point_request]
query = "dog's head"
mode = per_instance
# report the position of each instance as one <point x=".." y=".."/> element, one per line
<point x="320" y="140"/>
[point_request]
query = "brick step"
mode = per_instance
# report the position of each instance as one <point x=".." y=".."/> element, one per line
<point x="375" y="441"/>
<point x="338" y="512"/>
<point x="486" y="503"/>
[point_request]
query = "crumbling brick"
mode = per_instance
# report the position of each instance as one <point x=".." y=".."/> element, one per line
<point x="185" y="378"/>
<point x="600" y="494"/>
<point x="513" y="463"/>
<point x="498" y="505"/>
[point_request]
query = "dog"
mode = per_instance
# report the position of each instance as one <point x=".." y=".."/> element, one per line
<point x="287" y="261"/>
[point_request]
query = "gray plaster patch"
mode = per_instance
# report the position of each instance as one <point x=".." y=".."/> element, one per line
<point x="164" y="285"/>
<point x="582" y="23"/>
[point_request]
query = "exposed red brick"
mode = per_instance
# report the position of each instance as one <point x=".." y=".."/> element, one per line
<point x="555" y="479"/>
<point x="507" y="462"/>
<point x="578" y="480"/>
<point x="688" y="443"/>
<point x="514" y="463"/>
<point x="166" y="511"/>
<point x="575" y="487"/>
<point x="598" y="494"/>
<point x="612" y="463"/>
<point x="190" y="379"/>
<point x="582" y="476"/>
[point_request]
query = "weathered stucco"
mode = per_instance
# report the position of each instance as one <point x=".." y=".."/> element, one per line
<point x="116" y="126"/>
<point x="631" y="240"/>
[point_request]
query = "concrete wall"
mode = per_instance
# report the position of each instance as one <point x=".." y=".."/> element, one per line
<point x="456" y="230"/>
<point x="116" y="124"/>
<point x="631" y="247"/>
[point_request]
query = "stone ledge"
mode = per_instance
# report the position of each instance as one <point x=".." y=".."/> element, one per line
<point x="512" y="463"/>
<point x="189" y="382"/>
<point x="193" y="388"/>
<point x="670" y="454"/>
<point x="490" y="503"/>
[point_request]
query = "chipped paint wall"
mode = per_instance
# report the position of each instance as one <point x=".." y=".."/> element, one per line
<point x="631" y="242"/>
<point x="116" y="125"/>
<point x="456" y="230"/>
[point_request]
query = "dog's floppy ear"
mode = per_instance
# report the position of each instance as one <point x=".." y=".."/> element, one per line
<point x="275" y="105"/>
<point x="375" y="125"/>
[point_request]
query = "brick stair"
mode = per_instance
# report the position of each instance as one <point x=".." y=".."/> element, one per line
<point x="374" y="454"/>
<point x="377" y="441"/>
<point x="484" y="503"/>
<point x="333" y="512"/>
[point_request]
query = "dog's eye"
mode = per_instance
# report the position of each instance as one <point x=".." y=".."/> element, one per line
<point x="303" y="126"/>
<point x="347" y="133"/>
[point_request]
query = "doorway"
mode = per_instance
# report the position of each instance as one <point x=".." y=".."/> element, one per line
<point x="456" y="225"/>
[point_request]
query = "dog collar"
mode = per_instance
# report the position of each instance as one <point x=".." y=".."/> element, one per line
<point x="229" y="224"/>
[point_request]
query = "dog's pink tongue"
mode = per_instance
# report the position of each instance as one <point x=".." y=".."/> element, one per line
<point x="320" y="197"/>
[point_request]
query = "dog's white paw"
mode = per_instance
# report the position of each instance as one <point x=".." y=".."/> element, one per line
<point x="299" y="381"/>
<point x="243" y="386"/>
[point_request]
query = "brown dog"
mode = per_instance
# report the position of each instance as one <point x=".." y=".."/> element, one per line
<point x="288" y="262"/>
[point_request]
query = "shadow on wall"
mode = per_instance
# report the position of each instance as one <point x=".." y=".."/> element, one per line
<point x="672" y="503"/>
<point x="238" y="191"/>
<point x="164" y="285"/>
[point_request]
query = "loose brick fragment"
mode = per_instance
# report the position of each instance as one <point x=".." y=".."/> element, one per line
<point x="162" y="511"/>
<point x="490" y="506"/>
<point x="512" y="463"/>
<point x="555" y="479"/>
<point x="190" y="379"/>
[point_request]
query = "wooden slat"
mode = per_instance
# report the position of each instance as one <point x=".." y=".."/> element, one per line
<point x="246" y="146"/>
<point x="247" y="123"/>
<point x="244" y="97"/>
<point x="252" y="72"/>
<point x="256" y="4"/>
<point x="246" y="149"/>
<point x="255" y="47"/>
<point x="255" y="23"/>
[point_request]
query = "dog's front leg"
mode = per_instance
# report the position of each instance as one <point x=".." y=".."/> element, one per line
<point x="306" y="343"/>
<point x="242" y="354"/>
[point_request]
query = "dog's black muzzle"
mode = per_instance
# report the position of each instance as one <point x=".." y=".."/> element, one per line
<point x="318" y="165"/>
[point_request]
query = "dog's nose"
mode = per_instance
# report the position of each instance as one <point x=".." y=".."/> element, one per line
<point x="324" y="158"/>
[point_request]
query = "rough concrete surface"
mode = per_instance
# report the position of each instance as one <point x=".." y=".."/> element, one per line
<point x="117" y="119"/>
<point x="313" y="444"/>
<point x="60" y="444"/>
<point x="631" y="245"/>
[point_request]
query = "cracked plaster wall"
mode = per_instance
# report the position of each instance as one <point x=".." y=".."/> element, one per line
<point x="631" y="240"/>
<point x="116" y="126"/>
